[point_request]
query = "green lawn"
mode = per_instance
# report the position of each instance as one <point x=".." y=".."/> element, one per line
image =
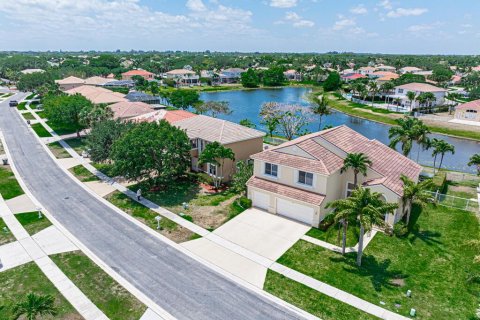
<point x="28" y="116"/>
<point x="169" y="228"/>
<point x="331" y="235"/>
<point x="9" y="187"/>
<point x="40" y="130"/>
<point x="5" y="235"/>
<point x="21" y="106"/>
<point x="434" y="261"/>
<point x="31" y="96"/>
<point x="78" y="144"/>
<point x="16" y="283"/>
<point x="105" y="168"/>
<point x="31" y="222"/>
<point x="62" y="129"/>
<point x="83" y="174"/>
<point x="58" y="151"/>
<point x="310" y="300"/>
<point x="110" y="297"/>
<point x="41" y="114"/>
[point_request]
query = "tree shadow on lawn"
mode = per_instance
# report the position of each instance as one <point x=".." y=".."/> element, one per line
<point x="378" y="272"/>
<point x="414" y="231"/>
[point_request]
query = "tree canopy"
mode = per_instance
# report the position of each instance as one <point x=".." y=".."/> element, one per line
<point x="333" y="82"/>
<point x="250" y="79"/>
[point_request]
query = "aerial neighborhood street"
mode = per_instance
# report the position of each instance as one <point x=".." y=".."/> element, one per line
<point x="289" y="174"/>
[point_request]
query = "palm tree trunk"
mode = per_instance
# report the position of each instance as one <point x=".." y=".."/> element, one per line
<point x="344" y="236"/>
<point x="319" y="123"/>
<point x="434" y="163"/>
<point x="355" y="179"/>
<point x="360" y="246"/>
<point x="408" y="210"/>
<point x="441" y="160"/>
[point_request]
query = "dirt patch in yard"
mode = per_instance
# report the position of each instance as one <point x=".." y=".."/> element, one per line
<point x="210" y="217"/>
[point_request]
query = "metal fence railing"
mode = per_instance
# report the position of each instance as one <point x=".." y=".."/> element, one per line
<point x="455" y="202"/>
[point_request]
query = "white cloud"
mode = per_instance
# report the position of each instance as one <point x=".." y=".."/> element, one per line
<point x="196" y="5"/>
<point x="297" y="21"/>
<point x="343" y="23"/>
<point x="420" y="27"/>
<point x="386" y="4"/>
<point x="283" y="3"/>
<point x="405" y="12"/>
<point x="360" y="9"/>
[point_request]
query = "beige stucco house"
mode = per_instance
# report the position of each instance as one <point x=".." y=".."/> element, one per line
<point x="69" y="83"/>
<point x="298" y="178"/>
<point x="469" y="111"/>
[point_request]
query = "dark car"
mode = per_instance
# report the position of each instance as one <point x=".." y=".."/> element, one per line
<point x="13" y="103"/>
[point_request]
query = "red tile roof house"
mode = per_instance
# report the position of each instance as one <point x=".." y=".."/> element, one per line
<point x="203" y="130"/>
<point x="142" y="73"/>
<point x="351" y="77"/>
<point x="469" y="111"/>
<point x="298" y="178"/>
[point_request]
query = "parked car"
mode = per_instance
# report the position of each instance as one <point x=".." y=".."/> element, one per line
<point x="13" y="103"/>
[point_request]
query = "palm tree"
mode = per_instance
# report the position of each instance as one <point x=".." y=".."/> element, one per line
<point x="369" y="209"/>
<point x="429" y="98"/>
<point x="215" y="154"/>
<point x="411" y="96"/>
<point x="35" y="305"/>
<point x="359" y="162"/>
<point x="344" y="217"/>
<point x="475" y="161"/>
<point x="373" y="88"/>
<point x="414" y="193"/>
<point x="320" y="108"/>
<point x="441" y="147"/>
<point x="420" y="133"/>
<point x="404" y="133"/>
<point x="386" y="87"/>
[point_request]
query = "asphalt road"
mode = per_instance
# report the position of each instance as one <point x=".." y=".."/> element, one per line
<point x="182" y="286"/>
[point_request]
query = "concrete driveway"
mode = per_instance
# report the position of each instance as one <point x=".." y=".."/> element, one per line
<point x="253" y="241"/>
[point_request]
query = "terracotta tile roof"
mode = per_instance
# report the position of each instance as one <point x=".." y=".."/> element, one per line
<point x="70" y="80"/>
<point x="420" y="87"/>
<point x="180" y="71"/>
<point x="354" y="76"/>
<point x="98" y="95"/>
<point x="137" y="73"/>
<point x="96" y="81"/>
<point x="286" y="191"/>
<point x="127" y="109"/>
<point x="472" y="105"/>
<point x="169" y="115"/>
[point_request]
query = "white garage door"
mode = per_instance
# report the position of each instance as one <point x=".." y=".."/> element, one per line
<point x="261" y="200"/>
<point x="295" y="211"/>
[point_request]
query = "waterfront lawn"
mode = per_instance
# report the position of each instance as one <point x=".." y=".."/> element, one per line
<point x="58" y="151"/>
<point x="109" y="296"/>
<point x="83" y="174"/>
<point x="28" y="116"/>
<point x="9" y="187"/>
<point x="6" y="235"/>
<point x="16" y="283"/>
<point x="310" y="300"/>
<point x="170" y="229"/>
<point x="31" y="222"/>
<point x="435" y="261"/>
<point x="40" y="130"/>
<point x="331" y="235"/>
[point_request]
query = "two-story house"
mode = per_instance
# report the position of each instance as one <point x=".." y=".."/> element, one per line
<point x="231" y="75"/>
<point x="183" y="77"/>
<point x="418" y="88"/>
<point x="299" y="178"/>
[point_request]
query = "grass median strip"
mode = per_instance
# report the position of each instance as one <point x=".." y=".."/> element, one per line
<point x="6" y="235"/>
<point x="40" y="130"/>
<point x="32" y="222"/>
<point x="83" y="174"/>
<point x="109" y="296"/>
<point x="9" y="187"/>
<point x="28" y="116"/>
<point x="58" y="151"/>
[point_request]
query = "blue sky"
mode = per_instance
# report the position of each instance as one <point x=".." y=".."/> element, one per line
<point x="378" y="26"/>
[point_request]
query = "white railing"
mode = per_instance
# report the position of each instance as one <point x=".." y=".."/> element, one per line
<point x="447" y="200"/>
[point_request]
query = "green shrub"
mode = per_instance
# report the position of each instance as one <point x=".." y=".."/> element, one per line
<point x="440" y="181"/>
<point x="204" y="178"/>
<point x="186" y="217"/>
<point x="400" y="229"/>
<point x="244" y="202"/>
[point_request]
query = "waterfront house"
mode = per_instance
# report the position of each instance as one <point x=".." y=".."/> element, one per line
<point x="299" y="178"/>
<point x="469" y="111"/>
<point x="293" y="75"/>
<point x="418" y="88"/>
<point x="231" y="75"/>
<point x="137" y="72"/>
<point x="183" y="77"/>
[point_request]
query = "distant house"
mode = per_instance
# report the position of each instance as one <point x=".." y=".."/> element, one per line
<point x="203" y="130"/>
<point x="97" y="95"/>
<point x="383" y="67"/>
<point x="418" y="88"/>
<point x="477" y="69"/>
<point x="384" y="76"/>
<point x="456" y="79"/>
<point x="111" y="76"/>
<point x="30" y="71"/>
<point x="352" y="76"/>
<point x="127" y="110"/>
<point x="69" y="83"/>
<point x="365" y="71"/>
<point x="469" y="111"/>
<point x="138" y="96"/>
<point x="183" y="77"/>
<point x="231" y="75"/>
<point x="120" y="83"/>
<point x="299" y="178"/>
<point x="293" y="75"/>
<point x="137" y="72"/>
<point x="96" y="81"/>
<point x="409" y="70"/>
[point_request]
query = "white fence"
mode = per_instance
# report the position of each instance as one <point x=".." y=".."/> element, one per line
<point x="455" y="202"/>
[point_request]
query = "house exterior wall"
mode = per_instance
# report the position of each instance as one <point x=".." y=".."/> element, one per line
<point x="144" y="76"/>
<point x="439" y="97"/>
<point x="470" y="115"/>
<point x="68" y="86"/>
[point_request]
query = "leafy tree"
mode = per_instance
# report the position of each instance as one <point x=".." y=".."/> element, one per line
<point x="216" y="154"/>
<point x="271" y="123"/>
<point x="34" y="306"/>
<point x="67" y="109"/>
<point x="184" y="98"/>
<point x="415" y="193"/>
<point x="420" y="135"/>
<point x="107" y="61"/>
<point x="475" y="161"/>
<point x="242" y="174"/>
<point x="369" y="209"/>
<point x="409" y="78"/>
<point x="103" y="135"/>
<point x="250" y="79"/>
<point x="95" y="113"/>
<point x="274" y="77"/>
<point x="359" y="163"/>
<point x="158" y="153"/>
<point x="291" y="119"/>
<point x="213" y="108"/>
<point x="320" y="108"/>
<point x="247" y="123"/>
<point x="140" y="82"/>
<point x="333" y="82"/>
<point x="33" y="81"/>
<point x="441" y="74"/>
<point x="441" y="147"/>
<point x="474" y="93"/>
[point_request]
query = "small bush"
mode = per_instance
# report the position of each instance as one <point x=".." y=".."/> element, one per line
<point x="400" y="229"/>
<point x="244" y="202"/>
<point x="187" y="217"/>
<point x="204" y="178"/>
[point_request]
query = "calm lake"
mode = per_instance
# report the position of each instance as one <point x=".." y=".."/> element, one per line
<point x="246" y="105"/>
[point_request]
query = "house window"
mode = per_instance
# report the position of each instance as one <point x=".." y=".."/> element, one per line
<point x="350" y="188"/>
<point x="212" y="169"/>
<point x="305" y="178"/>
<point x="400" y="90"/>
<point x="271" y="169"/>
<point x="194" y="143"/>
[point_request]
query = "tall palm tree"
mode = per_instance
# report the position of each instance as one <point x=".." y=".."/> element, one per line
<point x="404" y="133"/>
<point x="369" y="209"/>
<point x="414" y="193"/>
<point x="475" y="161"/>
<point x="358" y="162"/>
<point x="441" y="147"/>
<point x="373" y="88"/>
<point x="420" y="133"/>
<point x="34" y="306"/>
<point x="386" y="87"/>
<point x="320" y="108"/>
<point x="344" y="217"/>
<point x="411" y="96"/>
<point x="429" y="98"/>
